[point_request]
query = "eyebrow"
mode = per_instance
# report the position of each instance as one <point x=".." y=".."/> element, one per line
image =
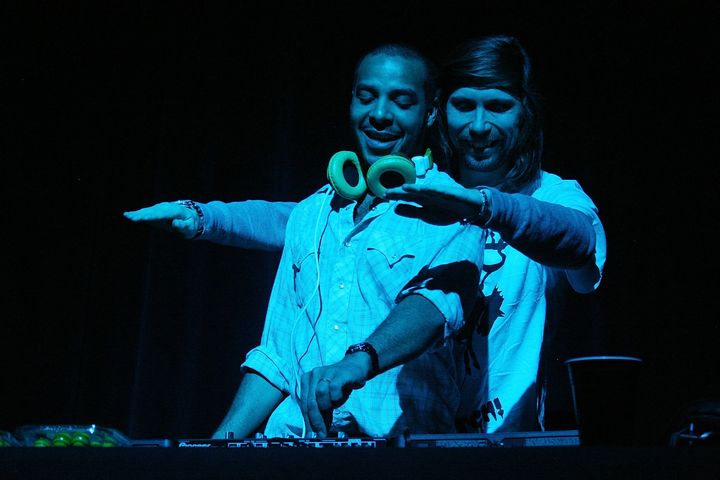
<point x="507" y="97"/>
<point x="404" y="91"/>
<point x="393" y="93"/>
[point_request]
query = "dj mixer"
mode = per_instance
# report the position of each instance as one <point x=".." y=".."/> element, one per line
<point x="563" y="438"/>
<point x="98" y="436"/>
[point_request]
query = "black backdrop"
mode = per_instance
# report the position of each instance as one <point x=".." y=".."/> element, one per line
<point x="112" y="106"/>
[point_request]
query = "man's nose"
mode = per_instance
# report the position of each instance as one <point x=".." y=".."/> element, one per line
<point x="479" y="124"/>
<point x="380" y="114"/>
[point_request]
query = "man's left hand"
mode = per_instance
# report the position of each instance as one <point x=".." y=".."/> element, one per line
<point x="456" y="200"/>
<point x="328" y="387"/>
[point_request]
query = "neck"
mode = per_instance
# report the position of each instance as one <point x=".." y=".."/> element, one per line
<point x="473" y="178"/>
<point x="363" y="207"/>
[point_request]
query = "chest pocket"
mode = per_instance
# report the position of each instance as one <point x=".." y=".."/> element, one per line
<point x="392" y="262"/>
<point x="305" y="277"/>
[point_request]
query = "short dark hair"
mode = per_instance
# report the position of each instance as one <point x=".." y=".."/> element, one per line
<point x="406" y="51"/>
<point x="498" y="61"/>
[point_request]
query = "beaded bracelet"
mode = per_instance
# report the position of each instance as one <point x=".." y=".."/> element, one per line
<point x="481" y="217"/>
<point x="201" y="217"/>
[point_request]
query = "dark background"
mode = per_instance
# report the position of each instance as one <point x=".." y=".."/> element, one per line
<point x="112" y="106"/>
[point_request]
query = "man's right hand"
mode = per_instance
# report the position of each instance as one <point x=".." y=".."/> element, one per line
<point x="168" y="216"/>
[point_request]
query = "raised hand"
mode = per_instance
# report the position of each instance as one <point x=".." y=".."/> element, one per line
<point x="456" y="201"/>
<point x="168" y="216"/>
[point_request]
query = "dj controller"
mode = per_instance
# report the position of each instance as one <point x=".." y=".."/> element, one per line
<point x="416" y="456"/>
<point x="99" y="436"/>
<point x="561" y="438"/>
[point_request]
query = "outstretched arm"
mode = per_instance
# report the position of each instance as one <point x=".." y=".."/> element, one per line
<point x="254" y="224"/>
<point x="251" y="224"/>
<point x="549" y="233"/>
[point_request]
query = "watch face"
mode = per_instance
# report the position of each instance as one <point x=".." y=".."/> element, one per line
<point x="360" y="347"/>
<point x="370" y="350"/>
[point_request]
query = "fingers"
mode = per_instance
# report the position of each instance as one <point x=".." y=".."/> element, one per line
<point x="185" y="227"/>
<point x="429" y="192"/>
<point x="167" y="216"/>
<point x="165" y="211"/>
<point x="323" y="390"/>
<point x="322" y="394"/>
<point x="312" y="415"/>
<point x="399" y="193"/>
<point x="417" y="193"/>
<point x="456" y="201"/>
<point x="402" y="191"/>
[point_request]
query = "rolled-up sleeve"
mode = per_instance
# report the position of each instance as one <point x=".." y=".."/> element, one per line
<point x="270" y="358"/>
<point x="451" y="276"/>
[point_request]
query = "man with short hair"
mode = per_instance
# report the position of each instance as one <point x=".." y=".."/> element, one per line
<point x="368" y="291"/>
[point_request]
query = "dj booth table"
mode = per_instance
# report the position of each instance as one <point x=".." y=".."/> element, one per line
<point x="360" y="463"/>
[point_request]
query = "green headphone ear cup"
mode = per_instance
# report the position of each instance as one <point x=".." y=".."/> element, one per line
<point x="389" y="163"/>
<point x="337" y="179"/>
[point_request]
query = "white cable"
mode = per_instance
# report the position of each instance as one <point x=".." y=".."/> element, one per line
<point x="316" y="290"/>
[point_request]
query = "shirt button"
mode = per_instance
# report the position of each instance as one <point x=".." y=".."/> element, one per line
<point x="336" y="327"/>
<point x="342" y="285"/>
<point x="347" y="244"/>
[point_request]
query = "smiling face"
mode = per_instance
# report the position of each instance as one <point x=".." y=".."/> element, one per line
<point x="483" y="128"/>
<point x="389" y="112"/>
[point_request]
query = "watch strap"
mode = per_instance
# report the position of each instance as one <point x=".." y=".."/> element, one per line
<point x="370" y="350"/>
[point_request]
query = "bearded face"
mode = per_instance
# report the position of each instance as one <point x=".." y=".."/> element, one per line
<point x="483" y="127"/>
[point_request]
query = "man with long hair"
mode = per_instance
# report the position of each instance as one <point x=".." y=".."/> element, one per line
<point x="543" y="238"/>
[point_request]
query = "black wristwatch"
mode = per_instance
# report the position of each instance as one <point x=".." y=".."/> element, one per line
<point x="370" y="350"/>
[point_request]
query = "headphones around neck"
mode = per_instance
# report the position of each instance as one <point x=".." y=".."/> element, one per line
<point x="387" y="172"/>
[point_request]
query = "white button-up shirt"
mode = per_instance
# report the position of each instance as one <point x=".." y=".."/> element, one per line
<point x="337" y="281"/>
